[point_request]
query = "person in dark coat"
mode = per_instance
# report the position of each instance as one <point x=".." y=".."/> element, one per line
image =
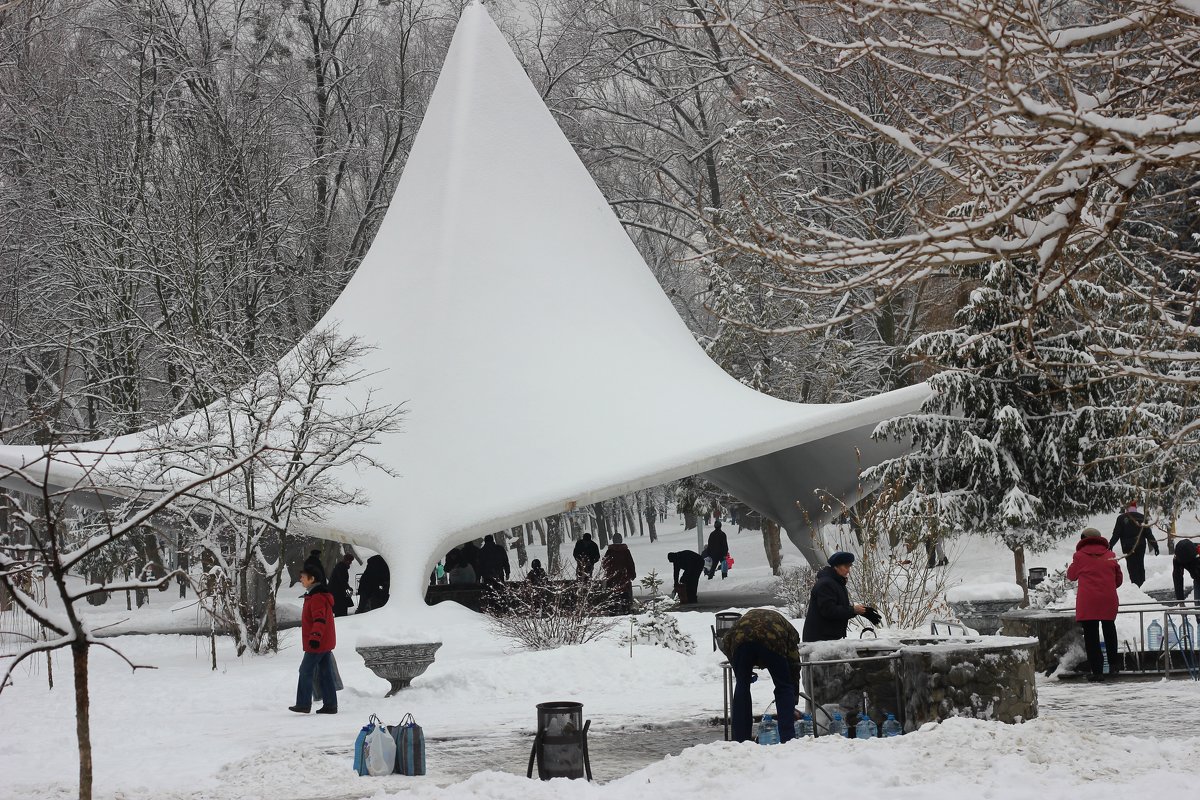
<point x="313" y="562"/>
<point x="619" y="571"/>
<point x="717" y="551"/>
<point x="691" y="564"/>
<point x="1134" y="535"/>
<point x="468" y="555"/>
<point x="829" y="606"/>
<point x="494" y="566"/>
<point x="1186" y="560"/>
<point x="374" y="585"/>
<point x="763" y="639"/>
<point x="339" y="586"/>
<point x="319" y="637"/>
<point x="587" y="555"/>
<point x="537" y="574"/>
<point x="1096" y="569"/>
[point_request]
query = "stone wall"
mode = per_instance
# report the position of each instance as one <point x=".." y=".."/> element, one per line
<point x="935" y="678"/>
<point x="1057" y="635"/>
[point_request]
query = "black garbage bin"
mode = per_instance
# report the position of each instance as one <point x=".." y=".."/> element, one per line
<point x="725" y="621"/>
<point x="560" y="746"/>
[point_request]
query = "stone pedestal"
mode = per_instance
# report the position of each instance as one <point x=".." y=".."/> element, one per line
<point x="1056" y="633"/>
<point x="990" y="679"/>
<point x="930" y="679"/>
<point x="399" y="663"/>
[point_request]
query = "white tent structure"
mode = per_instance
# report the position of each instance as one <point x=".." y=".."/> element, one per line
<point x="499" y="282"/>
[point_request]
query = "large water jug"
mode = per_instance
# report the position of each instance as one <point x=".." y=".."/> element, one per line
<point x="768" y="730"/>
<point x="837" y="727"/>
<point x="1188" y="635"/>
<point x="891" y="726"/>
<point x="1154" y="636"/>
<point x="805" y="726"/>
<point x="1104" y="657"/>
<point x="1178" y="635"/>
<point x="866" y="728"/>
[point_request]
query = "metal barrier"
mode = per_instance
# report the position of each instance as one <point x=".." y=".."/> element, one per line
<point x="808" y="693"/>
<point x="1167" y="609"/>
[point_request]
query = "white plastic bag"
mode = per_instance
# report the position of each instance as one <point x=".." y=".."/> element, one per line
<point x="380" y="751"/>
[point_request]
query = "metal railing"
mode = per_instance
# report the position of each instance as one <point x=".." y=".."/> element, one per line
<point x="1168" y="608"/>
<point x="808" y="694"/>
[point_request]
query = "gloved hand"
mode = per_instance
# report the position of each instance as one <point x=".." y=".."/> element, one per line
<point x="873" y="616"/>
<point x="313" y="644"/>
<point x="753" y="677"/>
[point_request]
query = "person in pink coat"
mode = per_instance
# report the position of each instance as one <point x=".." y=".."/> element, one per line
<point x="1098" y="573"/>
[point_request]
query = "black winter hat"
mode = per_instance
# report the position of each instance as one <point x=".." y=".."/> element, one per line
<point x="841" y="557"/>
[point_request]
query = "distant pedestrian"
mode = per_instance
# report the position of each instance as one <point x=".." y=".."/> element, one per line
<point x="1095" y="568"/>
<point x="318" y="637"/>
<point x="537" y="574"/>
<point x="339" y="586"/>
<point x="1186" y="560"/>
<point x="462" y="573"/>
<point x="587" y="555"/>
<point x="469" y="554"/>
<point x="763" y="639"/>
<point x="313" y="562"/>
<point x="829" y="607"/>
<point x="374" y="585"/>
<point x="619" y="571"/>
<point x="716" y="555"/>
<point x="688" y="566"/>
<point x="494" y="566"/>
<point x="1135" y="536"/>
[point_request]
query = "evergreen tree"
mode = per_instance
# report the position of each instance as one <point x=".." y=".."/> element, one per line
<point x="1025" y="433"/>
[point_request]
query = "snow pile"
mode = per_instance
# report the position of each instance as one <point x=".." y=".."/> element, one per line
<point x="984" y="591"/>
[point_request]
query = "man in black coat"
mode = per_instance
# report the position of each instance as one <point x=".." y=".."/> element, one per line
<point x="717" y="551"/>
<point x="1134" y="535"/>
<point x="691" y="564"/>
<point x="374" y="585"/>
<point x="829" y="606"/>
<point x="494" y="566"/>
<point x="1186" y="559"/>
<point x="587" y="555"/>
<point x="339" y="585"/>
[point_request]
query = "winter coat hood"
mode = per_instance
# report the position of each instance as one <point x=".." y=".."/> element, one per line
<point x="1094" y="545"/>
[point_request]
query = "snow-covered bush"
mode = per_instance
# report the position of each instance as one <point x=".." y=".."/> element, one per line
<point x="1052" y="589"/>
<point x="794" y="587"/>
<point x="543" y="616"/>
<point x="655" y="626"/>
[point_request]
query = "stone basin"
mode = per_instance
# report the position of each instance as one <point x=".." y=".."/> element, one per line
<point x="399" y="663"/>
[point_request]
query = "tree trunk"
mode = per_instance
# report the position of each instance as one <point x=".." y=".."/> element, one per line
<point x="553" y="538"/>
<point x="1019" y="565"/>
<point x="637" y="499"/>
<point x="1171" y="536"/>
<point x="541" y="529"/>
<point x="83" y="725"/>
<point x="772" y="544"/>
<point x="601" y="524"/>
<point x="519" y="538"/>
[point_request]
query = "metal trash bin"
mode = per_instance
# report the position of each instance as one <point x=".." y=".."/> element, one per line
<point x="725" y="621"/>
<point x="1036" y="576"/>
<point x="560" y="746"/>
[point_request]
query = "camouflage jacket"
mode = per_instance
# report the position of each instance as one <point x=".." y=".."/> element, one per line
<point x="769" y="628"/>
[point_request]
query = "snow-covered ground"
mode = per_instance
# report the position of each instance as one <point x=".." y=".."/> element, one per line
<point x="183" y="730"/>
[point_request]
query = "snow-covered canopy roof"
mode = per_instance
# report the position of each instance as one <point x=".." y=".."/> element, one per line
<point x="499" y="286"/>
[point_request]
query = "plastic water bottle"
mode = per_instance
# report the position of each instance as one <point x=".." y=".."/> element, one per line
<point x="1188" y="635"/>
<point x="866" y="728"/>
<point x="768" y="730"/>
<point x="1104" y="657"/>
<point x="1154" y="636"/>
<point x="891" y="726"/>
<point x="837" y="727"/>
<point x="805" y="726"/>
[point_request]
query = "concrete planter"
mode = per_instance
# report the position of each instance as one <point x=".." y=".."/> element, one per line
<point x="399" y="663"/>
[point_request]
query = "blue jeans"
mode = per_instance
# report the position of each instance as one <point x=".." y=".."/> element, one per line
<point x="304" y="686"/>
<point x="743" y="661"/>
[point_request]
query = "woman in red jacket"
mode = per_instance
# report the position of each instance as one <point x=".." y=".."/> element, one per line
<point x="319" y="637"/>
<point x="1099" y="575"/>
